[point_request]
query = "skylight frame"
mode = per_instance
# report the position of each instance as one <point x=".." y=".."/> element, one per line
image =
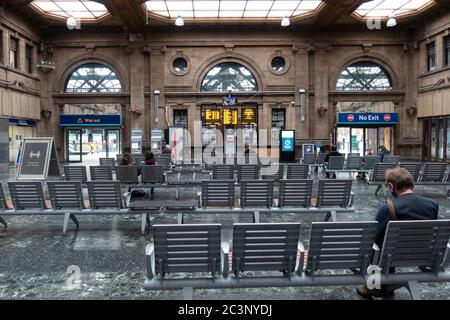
<point x="84" y="10"/>
<point x="400" y="8"/>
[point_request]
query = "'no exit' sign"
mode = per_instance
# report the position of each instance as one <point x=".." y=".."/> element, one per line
<point x="367" y="118"/>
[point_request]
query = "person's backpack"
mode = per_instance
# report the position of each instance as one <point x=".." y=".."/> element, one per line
<point x="138" y="194"/>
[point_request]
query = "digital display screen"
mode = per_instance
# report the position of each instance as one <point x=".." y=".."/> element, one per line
<point x="230" y="116"/>
<point x="212" y="116"/>
<point x="287" y="141"/>
<point x="248" y="116"/>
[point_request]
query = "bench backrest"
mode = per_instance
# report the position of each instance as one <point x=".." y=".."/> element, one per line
<point x="297" y="171"/>
<point x="248" y="172"/>
<point x="379" y="171"/>
<point x="413" y="169"/>
<point x="295" y="193"/>
<point x="353" y="154"/>
<point x="75" y="173"/>
<point x="336" y="162"/>
<point x="434" y="172"/>
<point x="334" y="193"/>
<point x="66" y="194"/>
<point x="321" y="157"/>
<point x="256" y="193"/>
<point x="137" y="159"/>
<point x="3" y="204"/>
<point x="101" y="172"/>
<point x="223" y="172"/>
<point x="152" y="174"/>
<point x="187" y="248"/>
<point x="265" y="247"/>
<point x="341" y="245"/>
<point x="218" y="193"/>
<point x="391" y="159"/>
<point x="107" y="162"/>
<point x="105" y="194"/>
<point x="415" y="244"/>
<point x="163" y="161"/>
<point x="27" y="195"/>
<point x="354" y="162"/>
<point x="127" y="174"/>
<point x="309" y="158"/>
<point x="369" y="162"/>
<point x="273" y="172"/>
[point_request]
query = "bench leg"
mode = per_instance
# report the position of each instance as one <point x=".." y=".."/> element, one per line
<point x="333" y="216"/>
<point x="66" y="222"/>
<point x="180" y="218"/>
<point x="188" y="293"/>
<point x="75" y="220"/>
<point x="448" y="193"/>
<point x="378" y="188"/>
<point x="256" y="217"/>
<point x="143" y="222"/>
<point x="414" y="290"/>
<point x="3" y="222"/>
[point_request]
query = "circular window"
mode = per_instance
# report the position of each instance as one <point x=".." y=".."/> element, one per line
<point x="180" y="65"/>
<point x="278" y="64"/>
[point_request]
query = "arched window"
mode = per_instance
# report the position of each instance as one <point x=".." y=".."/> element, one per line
<point x="229" y="76"/>
<point x="364" y="76"/>
<point x="93" y="78"/>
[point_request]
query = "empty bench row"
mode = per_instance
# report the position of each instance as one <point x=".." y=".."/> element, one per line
<point x="105" y="197"/>
<point x="275" y="248"/>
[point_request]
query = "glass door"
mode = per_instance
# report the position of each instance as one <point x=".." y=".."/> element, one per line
<point x="371" y="146"/>
<point x="357" y="141"/>
<point x="74" y="146"/>
<point x="112" y="142"/>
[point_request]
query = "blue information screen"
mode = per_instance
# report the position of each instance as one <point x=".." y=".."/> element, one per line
<point x="287" y="141"/>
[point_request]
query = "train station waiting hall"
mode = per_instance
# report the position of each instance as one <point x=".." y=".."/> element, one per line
<point x="220" y="150"/>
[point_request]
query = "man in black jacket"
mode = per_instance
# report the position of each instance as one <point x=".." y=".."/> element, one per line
<point x="332" y="153"/>
<point x="407" y="206"/>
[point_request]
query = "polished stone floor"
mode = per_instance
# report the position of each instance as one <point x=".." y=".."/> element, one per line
<point x="37" y="261"/>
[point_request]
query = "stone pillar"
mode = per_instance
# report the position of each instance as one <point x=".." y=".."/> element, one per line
<point x="320" y="127"/>
<point x="157" y="83"/>
<point x="5" y="48"/>
<point x="21" y="55"/>
<point x="301" y="80"/>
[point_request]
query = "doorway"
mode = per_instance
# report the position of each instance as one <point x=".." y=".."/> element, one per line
<point x="363" y="140"/>
<point x="88" y="145"/>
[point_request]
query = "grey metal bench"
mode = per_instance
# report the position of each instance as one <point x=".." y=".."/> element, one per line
<point x="370" y="161"/>
<point x="295" y="193"/>
<point x="105" y="194"/>
<point x="127" y="174"/>
<point x="153" y="174"/>
<point x="391" y="159"/>
<point x="274" y="172"/>
<point x="334" y="193"/>
<point x="27" y="195"/>
<point x="309" y="159"/>
<point x="298" y="171"/>
<point x="164" y="161"/>
<point x="218" y="193"/>
<point x="413" y="169"/>
<point x="67" y="196"/>
<point x="256" y="194"/>
<point x="353" y="163"/>
<point x="247" y="172"/>
<point x="168" y="253"/>
<point x="378" y="175"/>
<point x="223" y="172"/>
<point x="335" y="164"/>
<point x="107" y="162"/>
<point x="415" y="244"/>
<point x="75" y="173"/>
<point x="101" y="172"/>
<point x="434" y="174"/>
<point x="340" y="245"/>
<point x="3" y="205"/>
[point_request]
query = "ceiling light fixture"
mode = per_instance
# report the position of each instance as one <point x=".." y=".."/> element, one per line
<point x="179" y="21"/>
<point x="285" y="22"/>
<point x="392" y="22"/>
<point x="71" y="22"/>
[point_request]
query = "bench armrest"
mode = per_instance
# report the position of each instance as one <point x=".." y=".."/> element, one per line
<point x="446" y="261"/>
<point x="150" y="257"/>
<point x="352" y="198"/>
<point x="127" y="197"/>
<point x="301" y="259"/>
<point x="199" y="197"/>
<point x="376" y="254"/>
<point x="224" y="256"/>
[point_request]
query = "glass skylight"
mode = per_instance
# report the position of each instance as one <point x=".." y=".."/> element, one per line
<point x="384" y="8"/>
<point x="80" y="9"/>
<point x="232" y="8"/>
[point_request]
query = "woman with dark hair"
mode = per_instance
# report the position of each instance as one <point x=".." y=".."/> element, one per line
<point x="149" y="159"/>
<point x="126" y="160"/>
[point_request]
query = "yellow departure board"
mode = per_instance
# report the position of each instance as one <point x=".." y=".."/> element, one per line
<point x="230" y="116"/>
<point x="212" y="116"/>
<point x="248" y="116"/>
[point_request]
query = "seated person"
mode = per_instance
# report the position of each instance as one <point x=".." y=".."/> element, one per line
<point x="149" y="159"/>
<point x="126" y="160"/>
<point x="407" y="206"/>
<point x="332" y="153"/>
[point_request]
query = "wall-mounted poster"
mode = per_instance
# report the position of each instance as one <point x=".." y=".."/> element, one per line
<point x="38" y="159"/>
